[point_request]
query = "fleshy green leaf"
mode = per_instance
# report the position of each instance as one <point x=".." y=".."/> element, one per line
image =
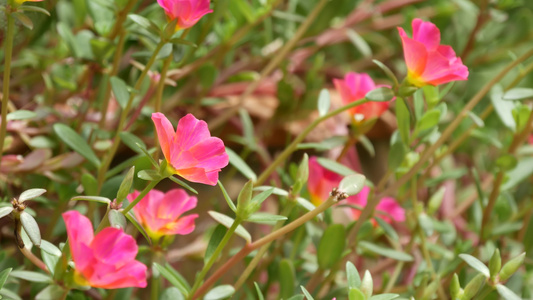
<point x="132" y="141"/>
<point x="352" y="184"/>
<point x="335" y="166"/>
<point x="4" y="211"/>
<point x="239" y="164"/>
<point x="30" y="276"/>
<point x="286" y="278"/>
<point x="354" y="280"/>
<point x="76" y="142"/>
<point x="174" y="278"/>
<point x="220" y="292"/>
<point x="228" y="221"/>
<point x="331" y="246"/>
<point x="226" y="196"/>
<point x="506" y="293"/>
<point x="3" y="276"/>
<point x="324" y="102"/>
<point x="306" y="293"/>
<point x="397" y="255"/>
<point x="476" y="264"/>
<point x="125" y="186"/>
<point x="21" y="115"/>
<point x="518" y="94"/>
<point x="214" y="241"/>
<point x="92" y="198"/>
<point x="116" y="219"/>
<point x="133" y="220"/>
<point x="381" y="94"/>
<point x="265" y="218"/>
<point x="30" y="226"/>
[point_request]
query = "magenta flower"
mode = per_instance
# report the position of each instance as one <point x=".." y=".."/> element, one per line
<point x="106" y="260"/>
<point x="191" y="151"/>
<point x="321" y="181"/>
<point x="188" y="12"/>
<point x="427" y="61"/>
<point x="162" y="213"/>
<point x="387" y="209"/>
<point x="354" y="87"/>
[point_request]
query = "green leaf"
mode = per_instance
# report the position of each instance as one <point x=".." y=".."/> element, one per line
<point x="21" y="115"/>
<point x="403" y="118"/>
<point x="239" y="164"/>
<point x="380" y="94"/>
<point x="171" y="293"/>
<point x="31" y="276"/>
<point x="245" y="195"/>
<point x="116" y="219"/>
<point x="89" y="183"/>
<point x="248" y="129"/>
<point x="495" y="263"/>
<point x="4" y="211"/>
<point x="275" y="190"/>
<point x="397" y="255"/>
<point x="389" y="230"/>
<point x="359" y="43"/>
<point x="331" y="246"/>
<point x="149" y="175"/>
<point x="474" y="286"/>
<point x="132" y="141"/>
<point x="125" y="186"/>
<point x="354" y="280"/>
<point x="506" y="293"/>
<point x="220" y="292"/>
<point x="286" y="278"/>
<point x="511" y="267"/>
<point x="352" y="184"/>
<point x="50" y="292"/>
<point x="228" y="221"/>
<point x="34" y="9"/>
<point x="91" y="198"/>
<point x="476" y="264"/>
<point x="387" y="71"/>
<point x="504" y="109"/>
<point x="24" y="20"/>
<point x="355" y="294"/>
<point x="50" y="248"/>
<point x="429" y="120"/>
<point x="226" y="196"/>
<point x="506" y="162"/>
<point x="3" y="276"/>
<point x="518" y="94"/>
<point x="214" y="241"/>
<point x="183" y="42"/>
<point x="176" y="281"/>
<point x="367" y="285"/>
<point x="521" y="172"/>
<point x="385" y="297"/>
<point x="335" y="166"/>
<point x="31" y="228"/>
<point x="183" y="184"/>
<point x="76" y="142"/>
<point x="396" y="154"/>
<point x="476" y="119"/>
<point x="324" y="102"/>
<point x="120" y="90"/>
<point x="145" y="23"/>
<point x="245" y="9"/>
<point x="265" y="218"/>
<point x="258" y="290"/>
<point x="147" y="154"/>
<point x="306" y="293"/>
<point x="133" y="220"/>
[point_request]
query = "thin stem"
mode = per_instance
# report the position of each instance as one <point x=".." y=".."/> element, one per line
<point x="214" y="257"/>
<point x="34" y="259"/>
<point x="8" y="50"/>
<point x="518" y="139"/>
<point x="116" y="140"/>
<point x="261" y="242"/>
<point x="257" y="258"/>
<point x="147" y="189"/>
<point x="293" y="146"/>
<point x="432" y="149"/>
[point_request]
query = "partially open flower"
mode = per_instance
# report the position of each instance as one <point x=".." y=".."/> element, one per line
<point x="354" y="87"/>
<point x="106" y="260"/>
<point x="188" y="12"/>
<point x="162" y="213"/>
<point x="427" y="61"/>
<point x="321" y="181"/>
<point x="191" y="151"/>
<point x="387" y="209"/>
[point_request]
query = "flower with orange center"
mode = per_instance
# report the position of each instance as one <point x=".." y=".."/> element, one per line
<point x="427" y="61"/>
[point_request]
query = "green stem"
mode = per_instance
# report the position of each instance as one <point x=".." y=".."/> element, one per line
<point x="8" y="50"/>
<point x="261" y="242"/>
<point x="213" y="258"/>
<point x="147" y="189"/>
<point x="155" y="283"/>
<point x="294" y="145"/>
<point x="116" y="140"/>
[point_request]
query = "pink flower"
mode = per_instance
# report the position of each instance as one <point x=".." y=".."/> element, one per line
<point x="161" y="213"/>
<point x="427" y="61"/>
<point x="354" y="87"/>
<point x="191" y="151"/>
<point x="321" y="181"/>
<point x="106" y="260"/>
<point x="188" y="12"/>
<point x="387" y="209"/>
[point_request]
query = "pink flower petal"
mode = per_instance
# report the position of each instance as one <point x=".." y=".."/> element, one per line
<point x="132" y="274"/>
<point x="182" y="226"/>
<point x="80" y="232"/>
<point x="426" y="33"/>
<point x="175" y="203"/>
<point x="113" y="246"/>
<point x="165" y="132"/>
<point x="391" y="208"/>
<point x="415" y="54"/>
